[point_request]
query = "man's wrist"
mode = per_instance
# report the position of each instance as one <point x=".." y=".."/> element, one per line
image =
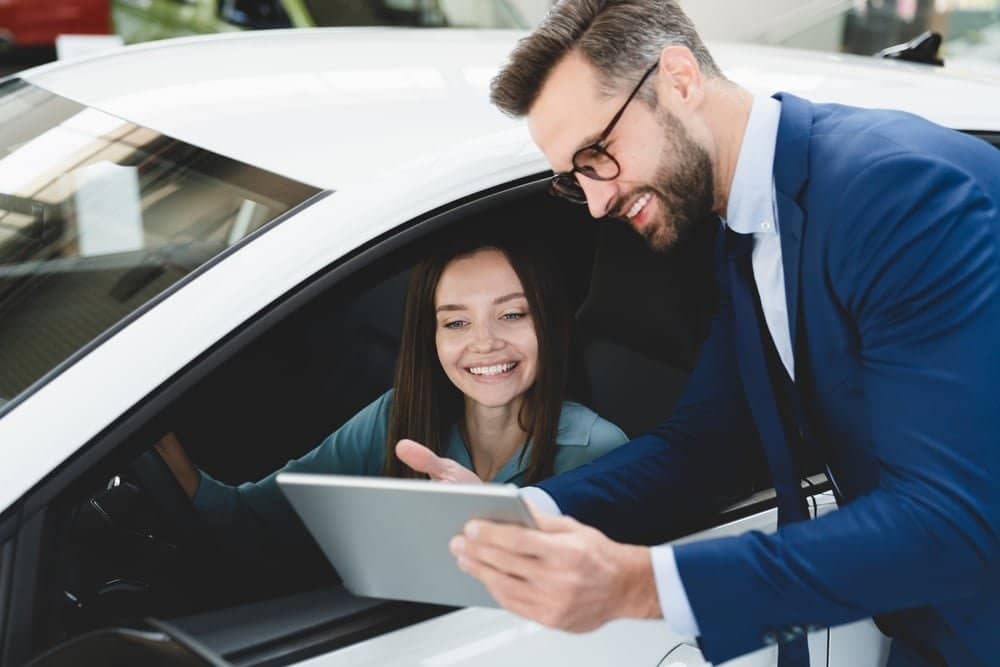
<point x="639" y="596"/>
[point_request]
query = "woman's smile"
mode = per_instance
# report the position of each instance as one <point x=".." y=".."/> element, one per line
<point x="493" y="371"/>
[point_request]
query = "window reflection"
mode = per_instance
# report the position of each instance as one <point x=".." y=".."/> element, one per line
<point x="970" y="28"/>
<point x="98" y="216"/>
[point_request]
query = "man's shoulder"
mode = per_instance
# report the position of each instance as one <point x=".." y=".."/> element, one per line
<point x="845" y="142"/>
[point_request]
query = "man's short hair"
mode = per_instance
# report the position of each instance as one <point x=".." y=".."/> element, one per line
<point x="621" y="38"/>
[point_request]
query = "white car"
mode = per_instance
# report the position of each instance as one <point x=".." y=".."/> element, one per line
<point x="212" y="235"/>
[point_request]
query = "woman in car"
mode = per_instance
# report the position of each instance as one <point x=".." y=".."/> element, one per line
<point x="480" y="380"/>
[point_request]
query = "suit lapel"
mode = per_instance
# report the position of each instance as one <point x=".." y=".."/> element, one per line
<point x="791" y="169"/>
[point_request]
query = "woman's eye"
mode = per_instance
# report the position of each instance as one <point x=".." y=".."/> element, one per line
<point x="514" y="316"/>
<point x="455" y="324"/>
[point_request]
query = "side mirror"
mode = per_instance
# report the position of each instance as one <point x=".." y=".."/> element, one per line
<point x="921" y="49"/>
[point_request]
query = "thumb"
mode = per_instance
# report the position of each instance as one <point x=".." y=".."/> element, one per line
<point x="552" y="523"/>
<point x="420" y="458"/>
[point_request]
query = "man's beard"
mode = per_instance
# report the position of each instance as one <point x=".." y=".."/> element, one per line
<point x="685" y="191"/>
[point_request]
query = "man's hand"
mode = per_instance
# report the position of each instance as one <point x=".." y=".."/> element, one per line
<point x="437" y="468"/>
<point x="564" y="575"/>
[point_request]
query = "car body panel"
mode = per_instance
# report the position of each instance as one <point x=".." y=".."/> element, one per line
<point x="271" y="98"/>
<point x="327" y="107"/>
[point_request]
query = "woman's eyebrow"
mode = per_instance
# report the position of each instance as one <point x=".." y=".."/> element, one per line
<point x="508" y="297"/>
<point x="498" y="300"/>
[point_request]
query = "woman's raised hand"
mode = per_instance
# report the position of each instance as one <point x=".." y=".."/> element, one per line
<point x="437" y="468"/>
<point x="170" y="448"/>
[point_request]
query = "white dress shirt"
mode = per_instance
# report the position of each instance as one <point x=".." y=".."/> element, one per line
<point x="751" y="210"/>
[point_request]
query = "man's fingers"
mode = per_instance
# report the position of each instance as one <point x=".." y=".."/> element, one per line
<point x="516" y="539"/>
<point x="504" y="587"/>
<point x="513" y="564"/>
<point x="507" y="537"/>
<point x="513" y="593"/>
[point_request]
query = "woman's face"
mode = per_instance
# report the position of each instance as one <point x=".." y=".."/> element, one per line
<point x="485" y="334"/>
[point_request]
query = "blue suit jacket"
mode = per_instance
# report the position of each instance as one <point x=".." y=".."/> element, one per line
<point x="890" y="240"/>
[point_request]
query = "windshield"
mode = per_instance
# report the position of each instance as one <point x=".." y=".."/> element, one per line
<point x="419" y="13"/>
<point x="98" y="216"/>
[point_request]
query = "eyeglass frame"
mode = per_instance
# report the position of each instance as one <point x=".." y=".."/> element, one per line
<point x="598" y="147"/>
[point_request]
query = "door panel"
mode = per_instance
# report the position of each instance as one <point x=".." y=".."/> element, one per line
<point x="488" y="637"/>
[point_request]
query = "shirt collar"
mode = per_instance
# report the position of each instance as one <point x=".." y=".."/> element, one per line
<point x="511" y="470"/>
<point x="575" y="424"/>
<point x="751" y="197"/>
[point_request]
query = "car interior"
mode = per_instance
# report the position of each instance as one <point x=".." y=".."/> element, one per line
<point x="120" y="541"/>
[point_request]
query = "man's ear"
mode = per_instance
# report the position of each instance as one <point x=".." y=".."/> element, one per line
<point x="679" y="79"/>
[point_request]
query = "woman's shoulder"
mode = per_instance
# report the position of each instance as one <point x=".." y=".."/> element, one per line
<point x="375" y="414"/>
<point x="358" y="446"/>
<point x="579" y="426"/>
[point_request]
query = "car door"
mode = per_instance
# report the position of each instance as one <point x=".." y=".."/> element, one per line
<point x="488" y="638"/>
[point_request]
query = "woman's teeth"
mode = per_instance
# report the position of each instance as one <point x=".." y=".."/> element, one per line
<point x="493" y="370"/>
<point x="639" y="204"/>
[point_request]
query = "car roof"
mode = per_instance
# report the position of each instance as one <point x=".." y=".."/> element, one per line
<point x="334" y="107"/>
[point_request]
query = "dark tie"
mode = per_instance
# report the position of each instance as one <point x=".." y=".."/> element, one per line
<point x="750" y="321"/>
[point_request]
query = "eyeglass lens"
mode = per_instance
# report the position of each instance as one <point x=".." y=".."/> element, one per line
<point x="566" y="185"/>
<point x="594" y="162"/>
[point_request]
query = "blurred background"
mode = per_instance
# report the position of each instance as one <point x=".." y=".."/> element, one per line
<point x="37" y="31"/>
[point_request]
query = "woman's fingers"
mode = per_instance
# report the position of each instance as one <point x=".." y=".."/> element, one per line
<point x="425" y="461"/>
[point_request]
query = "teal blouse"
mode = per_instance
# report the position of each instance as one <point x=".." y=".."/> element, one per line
<point x="358" y="448"/>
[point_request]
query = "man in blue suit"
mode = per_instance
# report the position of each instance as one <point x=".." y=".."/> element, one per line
<point x="859" y="324"/>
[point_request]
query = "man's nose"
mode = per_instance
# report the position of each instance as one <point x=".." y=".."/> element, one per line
<point x="600" y="195"/>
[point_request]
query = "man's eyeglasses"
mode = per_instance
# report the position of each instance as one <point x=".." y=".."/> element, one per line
<point x="593" y="160"/>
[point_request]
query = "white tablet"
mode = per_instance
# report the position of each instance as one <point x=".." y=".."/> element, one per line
<point x="388" y="538"/>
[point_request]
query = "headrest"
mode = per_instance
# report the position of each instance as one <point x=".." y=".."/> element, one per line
<point x="659" y="304"/>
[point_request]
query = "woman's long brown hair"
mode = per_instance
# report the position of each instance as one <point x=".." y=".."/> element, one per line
<point x="426" y="405"/>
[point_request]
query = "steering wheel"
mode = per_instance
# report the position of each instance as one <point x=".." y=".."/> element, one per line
<point x="165" y="493"/>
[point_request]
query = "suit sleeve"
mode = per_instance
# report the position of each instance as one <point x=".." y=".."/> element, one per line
<point x="658" y="484"/>
<point x="918" y="276"/>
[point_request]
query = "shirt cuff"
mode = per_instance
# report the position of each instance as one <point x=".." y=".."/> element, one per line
<point x="210" y="494"/>
<point x="670" y="589"/>
<point x="541" y="501"/>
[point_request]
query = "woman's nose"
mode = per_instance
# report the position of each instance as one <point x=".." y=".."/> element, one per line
<point x="485" y="339"/>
